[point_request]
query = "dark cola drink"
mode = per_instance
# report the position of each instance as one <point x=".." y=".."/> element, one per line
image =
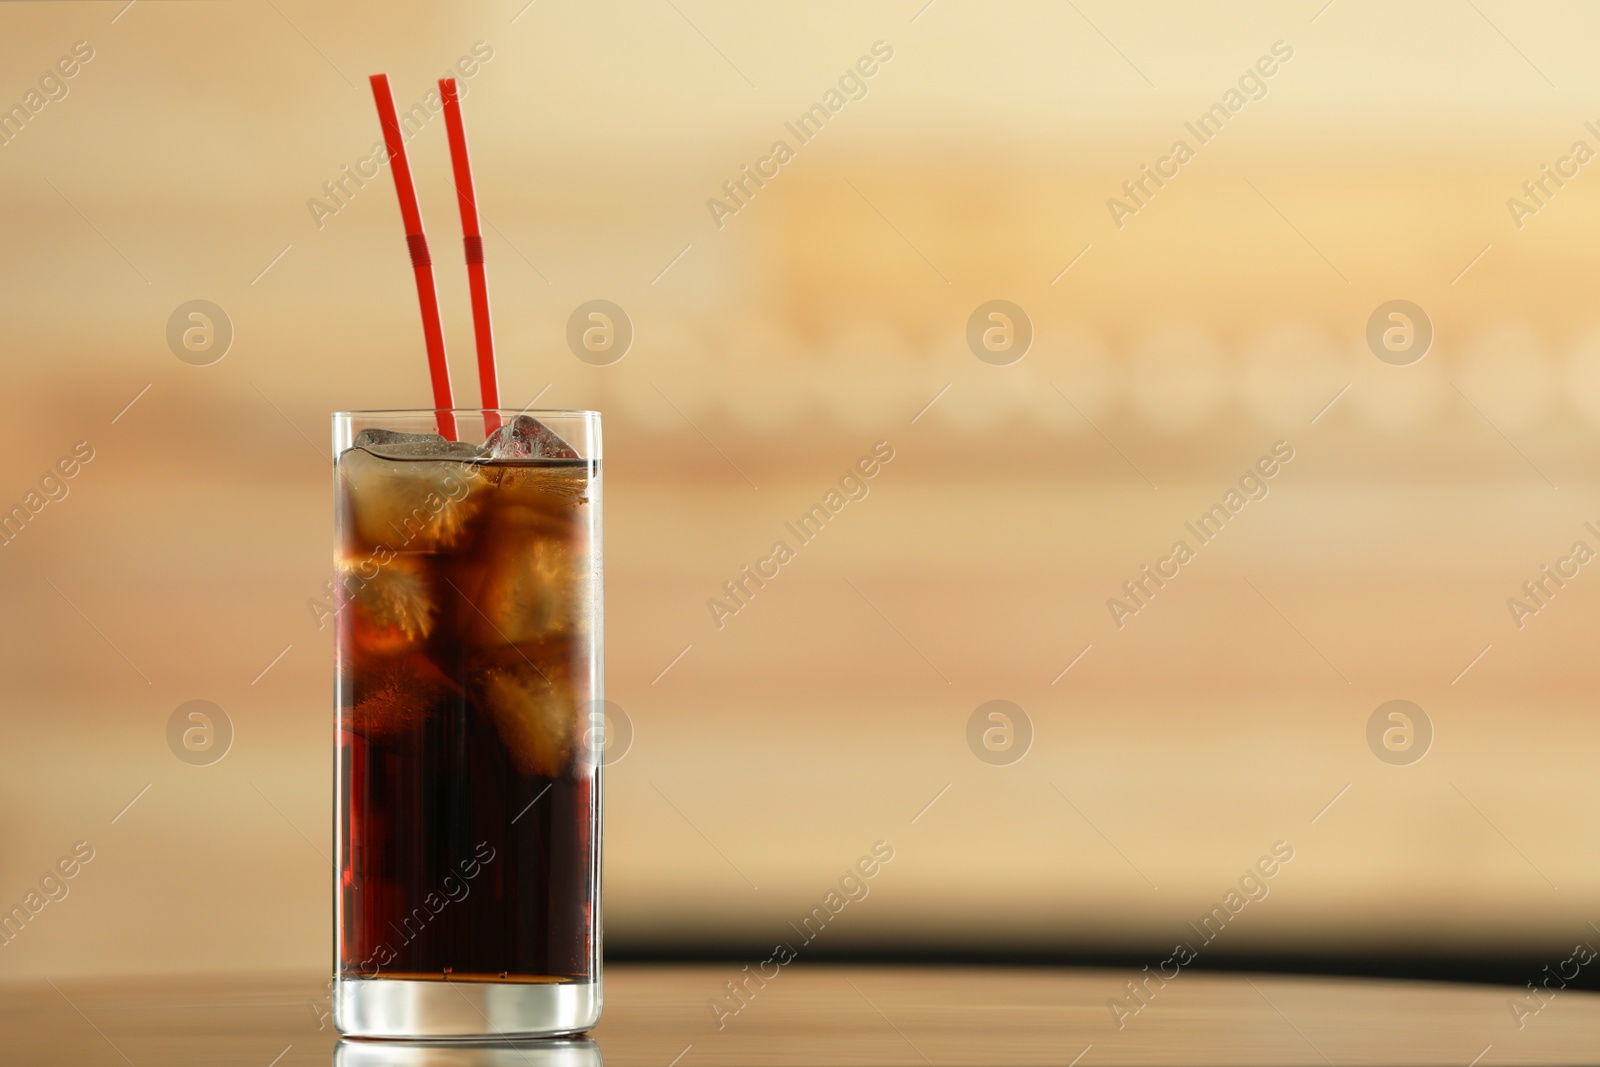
<point x="468" y="662"/>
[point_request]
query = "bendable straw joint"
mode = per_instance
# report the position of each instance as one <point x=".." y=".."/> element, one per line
<point x="474" y="245"/>
<point x="418" y="244"/>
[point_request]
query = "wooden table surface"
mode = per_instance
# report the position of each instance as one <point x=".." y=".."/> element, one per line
<point x="659" y="1015"/>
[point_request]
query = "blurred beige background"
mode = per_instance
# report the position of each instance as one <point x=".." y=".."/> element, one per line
<point x="770" y="353"/>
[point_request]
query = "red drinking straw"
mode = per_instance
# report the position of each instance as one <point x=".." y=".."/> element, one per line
<point x="417" y="241"/>
<point x="472" y="237"/>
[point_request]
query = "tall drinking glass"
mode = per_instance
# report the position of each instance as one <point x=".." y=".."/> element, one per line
<point x="469" y="670"/>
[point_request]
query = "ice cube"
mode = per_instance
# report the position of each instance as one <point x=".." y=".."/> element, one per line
<point x="392" y="444"/>
<point x="409" y="504"/>
<point x="534" y="708"/>
<point x="390" y="596"/>
<point x="391" y="695"/>
<point x="525" y="437"/>
<point x="534" y="578"/>
<point x="552" y="490"/>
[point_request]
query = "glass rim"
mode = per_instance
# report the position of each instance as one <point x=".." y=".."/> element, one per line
<point x="538" y="413"/>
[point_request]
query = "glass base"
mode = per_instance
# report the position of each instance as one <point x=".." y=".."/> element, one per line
<point x="540" y="1052"/>
<point x="408" y="1008"/>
